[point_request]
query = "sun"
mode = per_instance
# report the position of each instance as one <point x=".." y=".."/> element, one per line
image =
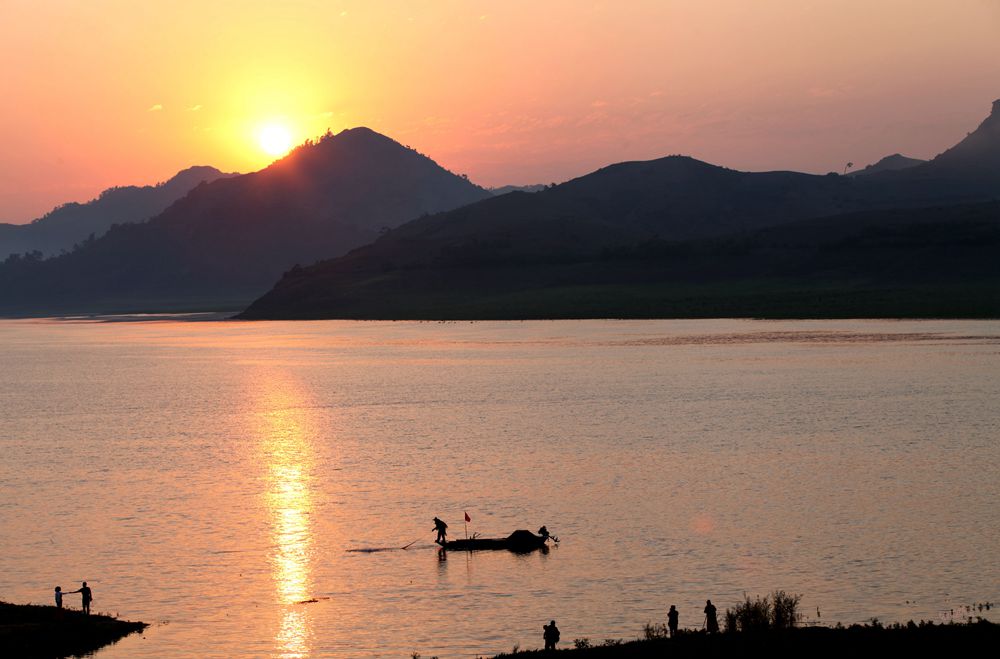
<point x="275" y="139"/>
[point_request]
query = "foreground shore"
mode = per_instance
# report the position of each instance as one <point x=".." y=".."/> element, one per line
<point x="925" y="639"/>
<point x="28" y="630"/>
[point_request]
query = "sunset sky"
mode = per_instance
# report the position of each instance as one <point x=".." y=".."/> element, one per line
<point x="106" y="92"/>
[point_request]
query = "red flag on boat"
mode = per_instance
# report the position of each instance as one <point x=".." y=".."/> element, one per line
<point x="467" y="518"/>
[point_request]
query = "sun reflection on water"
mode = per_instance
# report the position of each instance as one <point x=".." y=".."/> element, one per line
<point x="286" y="449"/>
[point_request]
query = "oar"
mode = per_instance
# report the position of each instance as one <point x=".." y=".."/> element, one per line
<point x="407" y="546"/>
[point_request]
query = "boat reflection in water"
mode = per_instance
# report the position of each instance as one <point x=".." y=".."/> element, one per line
<point x="287" y="451"/>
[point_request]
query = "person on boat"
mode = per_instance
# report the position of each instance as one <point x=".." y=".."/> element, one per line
<point x="672" y="618"/>
<point x="442" y="531"/>
<point x="544" y="532"/>
<point x="551" y="635"/>
<point x="86" y="595"/>
<point x="711" y="621"/>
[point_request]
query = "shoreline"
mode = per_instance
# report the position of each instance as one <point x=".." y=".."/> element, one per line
<point x="33" y="630"/>
<point x="869" y="640"/>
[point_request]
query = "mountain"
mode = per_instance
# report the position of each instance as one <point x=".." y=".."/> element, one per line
<point x="519" y="249"/>
<point x="496" y="192"/>
<point x="977" y="156"/>
<point x="72" y="223"/>
<point x="919" y="263"/>
<point x="889" y="163"/>
<point x="226" y="241"/>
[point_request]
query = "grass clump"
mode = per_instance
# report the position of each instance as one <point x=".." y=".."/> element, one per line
<point x="652" y="631"/>
<point x="779" y="610"/>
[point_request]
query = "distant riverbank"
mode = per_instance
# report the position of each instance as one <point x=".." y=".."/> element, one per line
<point x="29" y="630"/>
<point x="856" y="641"/>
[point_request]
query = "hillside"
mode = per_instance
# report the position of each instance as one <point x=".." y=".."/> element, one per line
<point x="507" y="256"/>
<point x="537" y="242"/>
<point x="226" y="241"/>
<point x="888" y="164"/>
<point x="931" y="262"/>
<point x="72" y="223"/>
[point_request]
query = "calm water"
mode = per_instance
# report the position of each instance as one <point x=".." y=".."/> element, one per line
<point x="208" y="476"/>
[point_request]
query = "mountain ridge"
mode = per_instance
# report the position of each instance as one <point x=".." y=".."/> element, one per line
<point x="677" y="199"/>
<point x="72" y="222"/>
<point x="229" y="239"/>
<point x="892" y="162"/>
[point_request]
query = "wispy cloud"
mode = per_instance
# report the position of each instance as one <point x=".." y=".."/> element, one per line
<point x="194" y="108"/>
<point x="155" y="108"/>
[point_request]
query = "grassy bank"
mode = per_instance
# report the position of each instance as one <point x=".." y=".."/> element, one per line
<point x="857" y="641"/>
<point x="28" y="630"/>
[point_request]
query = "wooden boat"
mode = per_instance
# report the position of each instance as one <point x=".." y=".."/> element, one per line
<point x="518" y="541"/>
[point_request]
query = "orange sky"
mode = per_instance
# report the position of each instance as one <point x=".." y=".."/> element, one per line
<point x="104" y="92"/>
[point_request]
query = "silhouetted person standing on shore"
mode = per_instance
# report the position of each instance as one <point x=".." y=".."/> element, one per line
<point x="672" y="618"/>
<point x="86" y="596"/>
<point x="59" y="603"/>
<point x="551" y="635"/>
<point x="442" y="531"/>
<point x="711" y="621"/>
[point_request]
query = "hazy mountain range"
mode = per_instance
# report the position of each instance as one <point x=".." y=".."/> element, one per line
<point x="538" y="187"/>
<point x="227" y="241"/>
<point x="72" y="223"/>
<point x="667" y="237"/>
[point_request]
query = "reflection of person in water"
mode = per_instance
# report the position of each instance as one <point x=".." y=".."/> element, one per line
<point x="711" y="621"/>
<point x="442" y="531"/>
<point x="551" y="635"/>
<point x="672" y="618"/>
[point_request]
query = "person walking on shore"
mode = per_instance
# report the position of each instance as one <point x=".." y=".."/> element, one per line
<point x="711" y="620"/>
<point x="551" y="635"/>
<point x="672" y="618"/>
<point x="442" y="531"/>
<point x="86" y="596"/>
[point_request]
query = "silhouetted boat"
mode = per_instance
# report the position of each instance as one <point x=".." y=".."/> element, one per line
<point x="519" y="541"/>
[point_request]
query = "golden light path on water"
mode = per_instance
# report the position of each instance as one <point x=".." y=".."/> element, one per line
<point x="286" y="449"/>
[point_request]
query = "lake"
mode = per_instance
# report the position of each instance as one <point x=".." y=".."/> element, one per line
<point x="207" y="477"/>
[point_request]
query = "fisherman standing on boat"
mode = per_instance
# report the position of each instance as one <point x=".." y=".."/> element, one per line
<point x="442" y="531"/>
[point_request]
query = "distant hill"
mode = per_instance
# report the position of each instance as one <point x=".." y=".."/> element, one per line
<point x="568" y="235"/>
<point x="516" y="188"/>
<point x="889" y="163"/>
<point x="72" y="223"/>
<point x="226" y="241"/>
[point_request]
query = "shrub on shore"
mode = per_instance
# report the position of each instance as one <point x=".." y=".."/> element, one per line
<point x="779" y="610"/>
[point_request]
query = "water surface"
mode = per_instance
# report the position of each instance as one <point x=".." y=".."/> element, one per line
<point x="208" y="476"/>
